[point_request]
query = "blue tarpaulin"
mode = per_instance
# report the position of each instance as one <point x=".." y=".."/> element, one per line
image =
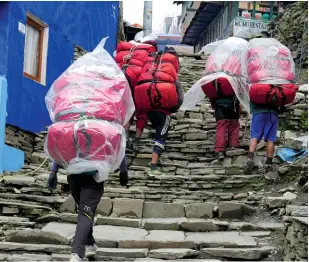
<point x="290" y="155"/>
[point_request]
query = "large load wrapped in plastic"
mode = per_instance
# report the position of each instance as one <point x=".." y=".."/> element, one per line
<point x="92" y="84"/>
<point x="271" y="71"/>
<point x="156" y="87"/>
<point x="89" y="104"/>
<point x="269" y="60"/>
<point x="225" y="74"/>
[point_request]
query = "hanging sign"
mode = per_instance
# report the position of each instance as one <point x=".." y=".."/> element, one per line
<point x="247" y="28"/>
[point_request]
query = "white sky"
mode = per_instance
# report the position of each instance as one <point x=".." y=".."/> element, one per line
<point x="133" y="12"/>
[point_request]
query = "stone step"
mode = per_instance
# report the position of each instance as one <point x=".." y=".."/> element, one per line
<point x="52" y="252"/>
<point x="183" y="224"/>
<point x="128" y="237"/>
<point x="136" y="208"/>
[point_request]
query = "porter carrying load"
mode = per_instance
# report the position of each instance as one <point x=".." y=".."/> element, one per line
<point x="89" y="103"/>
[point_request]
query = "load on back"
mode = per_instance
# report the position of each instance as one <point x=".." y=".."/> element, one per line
<point x="89" y="104"/>
<point x="156" y="87"/>
<point x="132" y="56"/>
<point x="261" y="72"/>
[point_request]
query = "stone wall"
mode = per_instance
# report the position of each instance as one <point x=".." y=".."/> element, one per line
<point x="24" y="140"/>
<point x="78" y="52"/>
<point x="296" y="240"/>
<point x="291" y="29"/>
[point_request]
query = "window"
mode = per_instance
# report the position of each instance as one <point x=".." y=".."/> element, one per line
<point x="35" y="55"/>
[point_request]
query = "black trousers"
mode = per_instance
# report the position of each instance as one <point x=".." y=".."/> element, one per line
<point x="87" y="194"/>
<point x="161" y="122"/>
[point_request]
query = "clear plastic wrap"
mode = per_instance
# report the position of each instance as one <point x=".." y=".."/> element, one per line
<point x="209" y="48"/>
<point x="228" y="60"/>
<point x="92" y="87"/>
<point x="229" y="57"/>
<point x="269" y="62"/>
<point x="139" y="37"/>
<point x="89" y="103"/>
<point x="87" y="145"/>
<point x="196" y="94"/>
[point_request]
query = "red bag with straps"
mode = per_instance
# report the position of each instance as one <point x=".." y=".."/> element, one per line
<point x="266" y="94"/>
<point x="84" y="140"/>
<point x="149" y="96"/>
<point x="218" y="88"/>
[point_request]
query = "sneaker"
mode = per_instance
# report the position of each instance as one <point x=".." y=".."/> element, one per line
<point x="90" y="251"/>
<point x="220" y="155"/>
<point x="154" y="172"/>
<point x="75" y="258"/>
<point x="249" y="167"/>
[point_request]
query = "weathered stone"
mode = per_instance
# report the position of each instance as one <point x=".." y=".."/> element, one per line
<point x="116" y="233"/>
<point x="236" y="253"/>
<point x="65" y="230"/>
<point x="235" y="152"/>
<point x="13" y="247"/>
<point x="36" y="237"/>
<point x="275" y="202"/>
<point x="51" y="217"/>
<point x="289" y="196"/>
<point x="241" y="160"/>
<point x="68" y="205"/>
<point x="163" y="210"/>
<point x="123" y="253"/>
<point x="199" y="225"/>
<point x="199" y="210"/>
<point x="298" y="211"/>
<point x="293" y="143"/>
<point x="222" y="239"/>
<point x="128" y="207"/>
<point x="165" y="235"/>
<point x="173" y="253"/>
<point x="232" y="210"/>
<point x="162" y="224"/>
<point x="105" y="206"/>
<point x="18" y="180"/>
<point x="196" y="136"/>
<point x="68" y="218"/>
<point x="10" y="210"/>
<point x="121" y="222"/>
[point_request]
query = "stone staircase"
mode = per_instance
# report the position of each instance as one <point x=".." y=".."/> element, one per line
<point x="200" y="210"/>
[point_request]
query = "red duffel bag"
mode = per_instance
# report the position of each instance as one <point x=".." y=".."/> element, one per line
<point x="266" y="94"/>
<point x="218" y="88"/>
<point x="150" y="95"/>
<point x="78" y="101"/>
<point x="150" y="48"/>
<point x="91" y="140"/>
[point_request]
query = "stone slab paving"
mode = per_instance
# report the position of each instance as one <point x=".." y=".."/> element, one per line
<point x="63" y="229"/>
<point x="170" y="253"/>
<point x="236" y="253"/>
<point x="221" y="239"/>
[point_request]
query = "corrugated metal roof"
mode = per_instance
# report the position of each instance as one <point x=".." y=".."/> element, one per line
<point x="203" y="17"/>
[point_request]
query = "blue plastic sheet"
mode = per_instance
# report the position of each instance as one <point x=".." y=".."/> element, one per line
<point x="291" y="155"/>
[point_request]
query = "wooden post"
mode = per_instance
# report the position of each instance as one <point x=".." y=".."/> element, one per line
<point x="120" y="33"/>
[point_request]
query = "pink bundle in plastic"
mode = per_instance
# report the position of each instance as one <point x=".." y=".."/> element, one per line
<point x="268" y="59"/>
<point x="90" y="102"/>
<point x="228" y="57"/>
<point x="86" y="145"/>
